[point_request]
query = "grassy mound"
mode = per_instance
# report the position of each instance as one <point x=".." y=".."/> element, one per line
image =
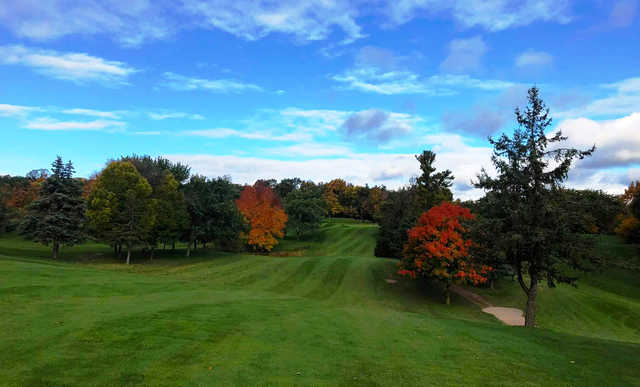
<point x="318" y="312"/>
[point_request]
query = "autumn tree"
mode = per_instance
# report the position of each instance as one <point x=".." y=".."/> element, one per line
<point x="56" y="217"/>
<point x="120" y="207"/>
<point x="534" y="234"/>
<point x="263" y="211"/>
<point x="438" y="248"/>
<point x="333" y="191"/>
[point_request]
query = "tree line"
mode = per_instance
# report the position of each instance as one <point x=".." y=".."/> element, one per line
<point x="527" y="224"/>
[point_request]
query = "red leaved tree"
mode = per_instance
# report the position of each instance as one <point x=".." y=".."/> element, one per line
<point x="263" y="211"/>
<point x="437" y="248"/>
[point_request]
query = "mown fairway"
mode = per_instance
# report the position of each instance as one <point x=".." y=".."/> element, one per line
<point x="320" y="313"/>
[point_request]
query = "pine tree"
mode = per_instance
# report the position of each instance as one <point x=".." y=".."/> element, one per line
<point x="533" y="232"/>
<point x="57" y="217"/>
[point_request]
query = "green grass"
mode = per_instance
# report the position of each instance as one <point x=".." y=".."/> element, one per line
<point x="318" y="313"/>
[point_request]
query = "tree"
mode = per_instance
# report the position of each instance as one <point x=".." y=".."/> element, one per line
<point x="57" y="217"/>
<point x="169" y="207"/>
<point x="432" y="188"/>
<point x="120" y="207"/>
<point x="305" y="209"/>
<point x="629" y="227"/>
<point x="286" y="186"/>
<point x="534" y="234"/>
<point x="263" y="211"/>
<point x="402" y="208"/>
<point x="170" y="210"/>
<point x="213" y="213"/>
<point x="438" y="248"/>
<point x="333" y="191"/>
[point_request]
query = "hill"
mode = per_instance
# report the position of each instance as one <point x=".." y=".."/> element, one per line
<point x="316" y="312"/>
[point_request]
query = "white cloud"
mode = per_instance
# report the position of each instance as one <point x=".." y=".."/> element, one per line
<point x="171" y="115"/>
<point x="50" y="124"/>
<point x="226" y="133"/>
<point x="133" y="22"/>
<point x="626" y="100"/>
<point x="617" y="141"/>
<point x="405" y="82"/>
<point x="306" y="20"/>
<point x="129" y="22"/>
<point x="377" y="126"/>
<point x="492" y="15"/>
<point x="15" y="110"/>
<point x="76" y="67"/>
<point x="183" y="83"/>
<point x="327" y="162"/>
<point x="310" y="149"/>
<point x="93" y="113"/>
<point x="465" y="55"/>
<point x="532" y="58"/>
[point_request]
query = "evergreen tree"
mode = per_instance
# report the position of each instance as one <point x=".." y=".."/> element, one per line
<point x="402" y="208"/>
<point x="57" y="217"/>
<point x="533" y="232"/>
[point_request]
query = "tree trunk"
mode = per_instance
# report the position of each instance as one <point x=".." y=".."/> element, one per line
<point x="447" y="293"/>
<point x="173" y="245"/>
<point x="151" y="253"/>
<point x="189" y="244"/>
<point x="56" y="247"/>
<point x="128" y="254"/>
<point x="530" y="313"/>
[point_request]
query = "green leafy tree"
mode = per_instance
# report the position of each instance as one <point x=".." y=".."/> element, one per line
<point x="57" y="217"/>
<point x="287" y="186"/>
<point x="534" y="233"/>
<point x="168" y="203"/>
<point x="305" y="209"/>
<point x="170" y="209"/>
<point x="120" y="207"/>
<point x="213" y="214"/>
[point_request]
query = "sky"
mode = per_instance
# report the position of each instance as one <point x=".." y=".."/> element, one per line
<point x="316" y="89"/>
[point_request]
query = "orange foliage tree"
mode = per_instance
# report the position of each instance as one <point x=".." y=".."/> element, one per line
<point x="22" y="196"/>
<point x="437" y="248"/>
<point x="263" y="210"/>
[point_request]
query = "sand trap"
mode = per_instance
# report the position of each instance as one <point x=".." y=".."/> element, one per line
<point x="509" y="316"/>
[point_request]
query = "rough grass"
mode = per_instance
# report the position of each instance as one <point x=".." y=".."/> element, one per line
<point x="326" y="317"/>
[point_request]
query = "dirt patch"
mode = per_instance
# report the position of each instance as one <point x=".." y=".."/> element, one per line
<point x="390" y="281"/>
<point x="509" y="316"/>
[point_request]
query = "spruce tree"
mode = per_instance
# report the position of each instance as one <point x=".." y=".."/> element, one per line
<point x="57" y="217"/>
<point x="533" y="229"/>
<point x="402" y="208"/>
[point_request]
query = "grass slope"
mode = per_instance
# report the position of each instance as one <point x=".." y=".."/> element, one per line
<point x="322" y="316"/>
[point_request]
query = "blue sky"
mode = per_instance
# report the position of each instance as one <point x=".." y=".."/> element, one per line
<point x="316" y="89"/>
